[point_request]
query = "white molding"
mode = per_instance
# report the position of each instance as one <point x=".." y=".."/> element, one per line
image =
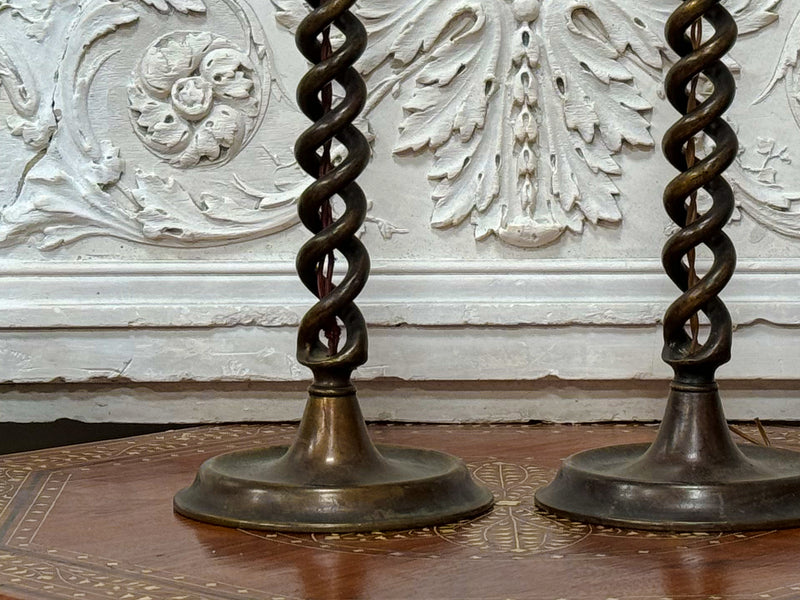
<point x="550" y="400"/>
<point x="407" y="353"/>
<point x="491" y="340"/>
<point x="446" y="293"/>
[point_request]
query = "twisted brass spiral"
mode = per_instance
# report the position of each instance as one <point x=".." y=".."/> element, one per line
<point x="697" y="364"/>
<point x="332" y="370"/>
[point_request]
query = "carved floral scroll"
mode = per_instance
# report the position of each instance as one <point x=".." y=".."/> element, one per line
<point x="522" y="108"/>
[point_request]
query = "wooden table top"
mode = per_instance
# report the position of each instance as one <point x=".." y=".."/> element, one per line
<point x="95" y="522"/>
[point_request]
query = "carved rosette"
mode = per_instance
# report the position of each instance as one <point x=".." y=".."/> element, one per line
<point x="194" y="99"/>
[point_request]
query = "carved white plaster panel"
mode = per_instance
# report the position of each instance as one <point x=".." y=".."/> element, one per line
<point x="525" y="106"/>
<point x="196" y="98"/>
<point x="519" y="114"/>
<point x="515" y="142"/>
<point x="73" y="186"/>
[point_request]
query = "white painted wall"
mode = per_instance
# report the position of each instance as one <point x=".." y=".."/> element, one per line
<point x="148" y="223"/>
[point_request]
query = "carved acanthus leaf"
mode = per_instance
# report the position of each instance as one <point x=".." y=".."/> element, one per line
<point x="523" y="104"/>
<point x="453" y="53"/>
<point x="32" y="120"/>
<point x="590" y="103"/>
<point x="168" y="211"/>
<point x="570" y="101"/>
<point x="23" y="101"/>
<point x="786" y="70"/>
<point x="755" y="178"/>
<point x="183" y="6"/>
<point x="752" y="15"/>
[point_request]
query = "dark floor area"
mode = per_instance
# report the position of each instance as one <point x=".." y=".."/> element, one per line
<point x="19" y="437"/>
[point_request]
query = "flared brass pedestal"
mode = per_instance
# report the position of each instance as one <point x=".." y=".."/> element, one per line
<point x="333" y="479"/>
<point x="692" y="478"/>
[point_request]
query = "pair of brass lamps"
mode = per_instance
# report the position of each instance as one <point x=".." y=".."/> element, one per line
<point x="332" y="478"/>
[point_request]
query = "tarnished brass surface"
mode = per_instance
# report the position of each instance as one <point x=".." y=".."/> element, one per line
<point x="693" y="477"/>
<point x="332" y="478"/>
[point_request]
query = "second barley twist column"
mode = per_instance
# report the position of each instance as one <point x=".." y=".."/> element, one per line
<point x="693" y="477"/>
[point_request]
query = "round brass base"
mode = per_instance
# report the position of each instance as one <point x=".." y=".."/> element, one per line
<point x="267" y="489"/>
<point x="620" y="486"/>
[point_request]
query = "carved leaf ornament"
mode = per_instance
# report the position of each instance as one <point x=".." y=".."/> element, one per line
<point x="763" y="197"/>
<point x="523" y="104"/>
<point x="523" y="107"/>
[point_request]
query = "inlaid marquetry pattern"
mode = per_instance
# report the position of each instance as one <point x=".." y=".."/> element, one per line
<point x="514" y="530"/>
<point x="14" y="469"/>
<point x="60" y="574"/>
<point x="65" y="574"/>
<point x="11" y="480"/>
<point x="37" y="512"/>
<point x="213" y="438"/>
<point x="163" y="446"/>
<point x="69" y="574"/>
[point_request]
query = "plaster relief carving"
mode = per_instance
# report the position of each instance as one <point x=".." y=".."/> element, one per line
<point x="786" y="70"/>
<point x="195" y="100"/>
<point x="523" y="108"/>
<point x="762" y="194"/>
<point x="756" y="178"/>
<point x="195" y="97"/>
<point x="524" y="105"/>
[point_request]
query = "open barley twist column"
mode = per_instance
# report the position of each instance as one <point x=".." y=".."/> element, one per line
<point x="693" y="477"/>
<point x="332" y="366"/>
<point x="332" y="478"/>
<point x="695" y="363"/>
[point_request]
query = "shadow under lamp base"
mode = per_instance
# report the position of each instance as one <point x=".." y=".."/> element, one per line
<point x="333" y="479"/>
<point x="692" y="478"/>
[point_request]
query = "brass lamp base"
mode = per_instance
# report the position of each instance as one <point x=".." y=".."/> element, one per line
<point x="599" y="486"/>
<point x="416" y="488"/>
<point x="692" y="478"/>
<point x="333" y="479"/>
